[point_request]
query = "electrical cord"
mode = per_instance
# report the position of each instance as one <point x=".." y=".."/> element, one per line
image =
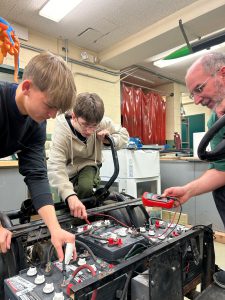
<point x="178" y="219"/>
<point x="50" y="253"/>
<point x="87" y="248"/>
<point x="126" y="285"/>
<point x="204" y="227"/>
<point x="97" y="237"/>
<point x="83" y="232"/>
<point x="146" y="237"/>
<point x="93" y="273"/>
<point x="111" y="217"/>
<point x="98" y="228"/>
<point x="154" y="218"/>
<point x="137" y="251"/>
<point x="172" y="222"/>
<point x="129" y="253"/>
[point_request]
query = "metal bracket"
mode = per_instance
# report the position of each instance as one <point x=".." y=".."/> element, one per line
<point x="185" y="36"/>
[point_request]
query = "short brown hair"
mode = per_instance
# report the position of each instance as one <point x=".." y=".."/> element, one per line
<point x="50" y="74"/>
<point x="90" y="107"/>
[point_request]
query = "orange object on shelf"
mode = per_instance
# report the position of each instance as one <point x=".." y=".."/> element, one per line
<point x="9" y="44"/>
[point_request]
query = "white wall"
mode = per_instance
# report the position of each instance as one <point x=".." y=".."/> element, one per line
<point x="107" y="86"/>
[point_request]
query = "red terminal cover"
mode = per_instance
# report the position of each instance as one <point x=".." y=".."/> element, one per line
<point x="154" y="200"/>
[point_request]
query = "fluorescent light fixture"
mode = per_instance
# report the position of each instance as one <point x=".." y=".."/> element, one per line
<point x="173" y="56"/>
<point x="165" y="63"/>
<point x="161" y="55"/>
<point x="55" y="10"/>
<point x="162" y="63"/>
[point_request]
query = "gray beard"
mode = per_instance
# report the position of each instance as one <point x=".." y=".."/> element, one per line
<point x="220" y="88"/>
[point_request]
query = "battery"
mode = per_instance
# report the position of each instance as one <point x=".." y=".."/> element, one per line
<point x="140" y="287"/>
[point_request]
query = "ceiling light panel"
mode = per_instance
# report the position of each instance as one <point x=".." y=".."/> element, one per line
<point x="55" y="10"/>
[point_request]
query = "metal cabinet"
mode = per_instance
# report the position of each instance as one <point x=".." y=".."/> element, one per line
<point x="200" y="209"/>
<point x="12" y="188"/>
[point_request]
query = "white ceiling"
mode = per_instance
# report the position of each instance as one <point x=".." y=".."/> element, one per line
<point x="126" y="32"/>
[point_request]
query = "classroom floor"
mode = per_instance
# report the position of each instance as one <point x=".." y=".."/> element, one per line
<point x="219" y="253"/>
<point x="220" y="259"/>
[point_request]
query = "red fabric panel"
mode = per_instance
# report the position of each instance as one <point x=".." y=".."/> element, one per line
<point x="144" y="115"/>
<point x="148" y="120"/>
<point x="131" y="110"/>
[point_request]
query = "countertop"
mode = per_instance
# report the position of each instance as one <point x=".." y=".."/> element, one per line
<point x="8" y="163"/>
<point x="180" y="158"/>
<point x="14" y="163"/>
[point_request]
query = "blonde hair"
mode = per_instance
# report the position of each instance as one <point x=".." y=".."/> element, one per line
<point x="50" y="74"/>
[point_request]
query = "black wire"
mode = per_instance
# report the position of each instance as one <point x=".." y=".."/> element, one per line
<point x="178" y="219"/>
<point x="133" y="248"/>
<point x="87" y="248"/>
<point x="147" y="238"/>
<point x="204" y="227"/>
<point x="154" y="218"/>
<point x="136" y="252"/>
<point x="50" y="253"/>
<point x="97" y="237"/>
<point x="126" y="285"/>
<point x="97" y="228"/>
<point x="168" y="234"/>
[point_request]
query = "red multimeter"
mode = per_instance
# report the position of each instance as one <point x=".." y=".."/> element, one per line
<point x="150" y="199"/>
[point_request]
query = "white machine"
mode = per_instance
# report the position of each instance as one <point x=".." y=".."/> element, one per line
<point x="139" y="171"/>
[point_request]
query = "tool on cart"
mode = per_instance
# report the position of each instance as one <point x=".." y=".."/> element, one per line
<point x="154" y="200"/>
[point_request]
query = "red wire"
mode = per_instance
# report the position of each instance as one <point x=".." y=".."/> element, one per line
<point x="87" y="221"/>
<point x="93" y="273"/>
<point x="108" y="216"/>
<point x="187" y="269"/>
<point x="169" y="225"/>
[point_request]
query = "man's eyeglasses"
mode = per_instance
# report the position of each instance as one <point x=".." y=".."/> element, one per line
<point x="199" y="89"/>
<point x="86" y="126"/>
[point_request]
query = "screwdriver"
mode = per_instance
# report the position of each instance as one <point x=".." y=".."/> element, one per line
<point x="64" y="268"/>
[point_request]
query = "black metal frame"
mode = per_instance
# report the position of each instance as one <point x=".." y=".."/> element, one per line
<point x="159" y="253"/>
<point x="156" y="258"/>
<point x="167" y="254"/>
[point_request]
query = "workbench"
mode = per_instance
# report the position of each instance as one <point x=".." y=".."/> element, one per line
<point x="12" y="187"/>
<point x="178" y="172"/>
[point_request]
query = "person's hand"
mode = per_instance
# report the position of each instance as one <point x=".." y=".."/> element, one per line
<point x="5" y="239"/>
<point x="101" y="135"/>
<point x="59" y="237"/>
<point x="77" y="208"/>
<point x="178" y="192"/>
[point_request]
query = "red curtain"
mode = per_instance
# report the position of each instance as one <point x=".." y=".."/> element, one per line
<point x="144" y="115"/>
